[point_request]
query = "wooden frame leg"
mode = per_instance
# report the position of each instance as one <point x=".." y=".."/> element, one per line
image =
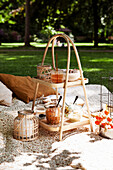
<point x="56" y="93"/>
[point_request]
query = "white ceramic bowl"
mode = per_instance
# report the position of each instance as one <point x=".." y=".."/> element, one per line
<point x="73" y="75"/>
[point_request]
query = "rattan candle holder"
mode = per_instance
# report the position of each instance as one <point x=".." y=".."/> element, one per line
<point x="44" y="72"/>
<point x="26" y="126"/>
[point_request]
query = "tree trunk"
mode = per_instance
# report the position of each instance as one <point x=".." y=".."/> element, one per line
<point x="95" y="14"/>
<point x="27" y="23"/>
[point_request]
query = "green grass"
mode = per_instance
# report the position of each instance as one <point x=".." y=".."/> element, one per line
<point x="43" y="45"/>
<point x="95" y="64"/>
<point x="17" y="45"/>
<point x="20" y="62"/>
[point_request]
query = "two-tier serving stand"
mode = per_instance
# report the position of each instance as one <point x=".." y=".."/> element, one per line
<point x="65" y="125"/>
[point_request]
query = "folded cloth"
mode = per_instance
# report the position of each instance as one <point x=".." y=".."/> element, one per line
<point x="24" y="87"/>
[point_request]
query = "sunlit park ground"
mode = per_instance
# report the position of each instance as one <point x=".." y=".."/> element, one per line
<point x="96" y="62"/>
<point x="39" y="44"/>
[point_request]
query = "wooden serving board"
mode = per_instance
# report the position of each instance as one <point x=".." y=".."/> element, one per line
<point x="67" y="124"/>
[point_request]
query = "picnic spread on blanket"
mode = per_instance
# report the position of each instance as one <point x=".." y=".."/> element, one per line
<point x="49" y="108"/>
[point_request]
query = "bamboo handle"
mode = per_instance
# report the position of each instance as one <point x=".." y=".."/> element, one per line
<point x="35" y="95"/>
<point x="56" y="62"/>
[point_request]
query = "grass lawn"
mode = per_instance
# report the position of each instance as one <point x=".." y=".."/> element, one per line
<point x="95" y="63"/>
<point x="37" y="44"/>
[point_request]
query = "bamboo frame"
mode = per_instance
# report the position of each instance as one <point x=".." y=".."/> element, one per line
<point x="66" y="83"/>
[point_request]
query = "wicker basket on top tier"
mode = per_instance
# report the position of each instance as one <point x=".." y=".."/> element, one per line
<point x="44" y="72"/>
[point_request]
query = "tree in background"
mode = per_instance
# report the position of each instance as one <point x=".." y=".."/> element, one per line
<point x="96" y="21"/>
<point x="90" y="18"/>
<point x="27" y="23"/>
<point x="9" y="10"/>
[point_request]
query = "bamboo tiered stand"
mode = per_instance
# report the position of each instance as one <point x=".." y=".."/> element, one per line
<point x="64" y="125"/>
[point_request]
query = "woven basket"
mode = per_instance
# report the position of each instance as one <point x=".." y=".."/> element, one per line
<point x="26" y="126"/>
<point x="44" y="72"/>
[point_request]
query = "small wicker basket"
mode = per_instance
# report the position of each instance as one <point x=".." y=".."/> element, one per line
<point x="44" y="72"/>
<point x="26" y="126"/>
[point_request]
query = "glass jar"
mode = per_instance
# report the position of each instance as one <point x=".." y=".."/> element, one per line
<point x="53" y="115"/>
<point x="57" y="76"/>
<point x="74" y="113"/>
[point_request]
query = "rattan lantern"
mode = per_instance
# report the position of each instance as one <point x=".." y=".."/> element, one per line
<point x="26" y="126"/>
<point x="44" y="72"/>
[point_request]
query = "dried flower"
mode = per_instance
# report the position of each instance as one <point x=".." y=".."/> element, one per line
<point x="106" y="112"/>
<point x="103" y="120"/>
<point x="109" y="119"/>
